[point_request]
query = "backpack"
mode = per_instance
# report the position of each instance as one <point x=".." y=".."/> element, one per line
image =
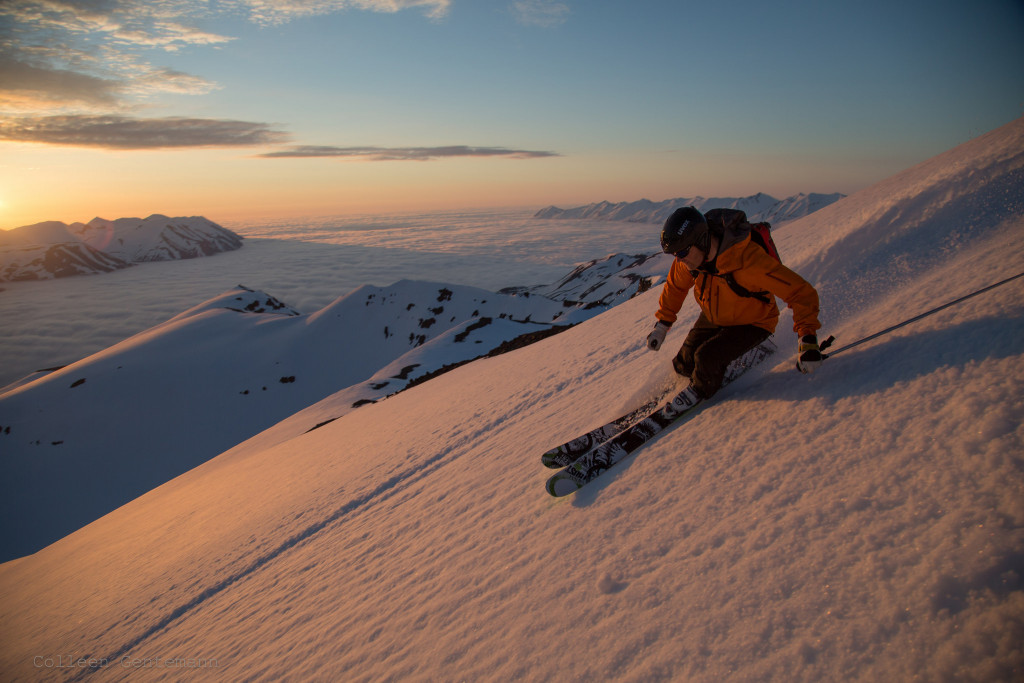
<point x="761" y="235"/>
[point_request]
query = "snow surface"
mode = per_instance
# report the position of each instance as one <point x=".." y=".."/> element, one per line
<point x="232" y="366"/>
<point x="182" y="392"/>
<point x="864" y="523"/>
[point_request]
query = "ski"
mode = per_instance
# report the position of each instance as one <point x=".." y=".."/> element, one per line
<point x="566" y="454"/>
<point x="590" y="465"/>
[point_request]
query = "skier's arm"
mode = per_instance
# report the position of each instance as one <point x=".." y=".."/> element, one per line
<point x="799" y="295"/>
<point x="673" y="293"/>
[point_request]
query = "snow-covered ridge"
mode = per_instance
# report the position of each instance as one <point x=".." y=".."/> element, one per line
<point x="758" y="207"/>
<point x="604" y="282"/>
<point x="223" y="371"/>
<point x="54" y="249"/>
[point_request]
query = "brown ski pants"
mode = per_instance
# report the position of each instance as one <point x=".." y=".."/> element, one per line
<point x="708" y="350"/>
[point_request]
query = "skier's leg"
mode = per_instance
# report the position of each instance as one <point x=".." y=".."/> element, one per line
<point x="713" y="356"/>
<point x="701" y="331"/>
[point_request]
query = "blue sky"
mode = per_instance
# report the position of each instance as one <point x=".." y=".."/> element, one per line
<point x="238" y="107"/>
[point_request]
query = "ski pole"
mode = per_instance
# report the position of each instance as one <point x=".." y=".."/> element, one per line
<point x="916" y="318"/>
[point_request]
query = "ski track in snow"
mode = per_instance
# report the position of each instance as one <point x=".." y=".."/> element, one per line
<point x="378" y="496"/>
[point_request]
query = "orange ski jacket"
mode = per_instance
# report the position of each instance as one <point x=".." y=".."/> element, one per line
<point x="752" y="268"/>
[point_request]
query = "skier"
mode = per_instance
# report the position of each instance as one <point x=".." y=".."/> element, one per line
<point x="735" y="281"/>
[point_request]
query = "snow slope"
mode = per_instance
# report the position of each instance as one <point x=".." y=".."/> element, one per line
<point x="238" y="363"/>
<point x="862" y="524"/>
<point x="83" y="439"/>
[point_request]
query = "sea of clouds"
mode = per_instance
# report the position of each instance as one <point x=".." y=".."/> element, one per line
<point x="307" y="262"/>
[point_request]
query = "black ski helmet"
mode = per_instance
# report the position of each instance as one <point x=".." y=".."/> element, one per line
<point x="685" y="228"/>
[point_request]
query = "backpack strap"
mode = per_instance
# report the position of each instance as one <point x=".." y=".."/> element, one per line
<point x="764" y="297"/>
<point x="760" y="234"/>
<point x="740" y="290"/>
<point x="735" y="221"/>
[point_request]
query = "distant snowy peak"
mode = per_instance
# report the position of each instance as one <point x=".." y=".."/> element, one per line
<point x="46" y="261"/>
<point x="53" y="249"/>
<point x="157" y="238"/>
<point x="758" y="207"/>
<point x="45" y="233"/>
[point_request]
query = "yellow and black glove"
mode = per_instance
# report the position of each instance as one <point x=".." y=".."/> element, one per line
<point x="808" y="354"/>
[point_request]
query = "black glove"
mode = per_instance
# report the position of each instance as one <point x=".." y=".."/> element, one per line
<point x="809" y="354"/>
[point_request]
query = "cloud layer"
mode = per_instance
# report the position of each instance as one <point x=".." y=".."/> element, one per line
<point x="405" y="153"/>
<point x="281" y="11"/>
<point x="120" y="132"/>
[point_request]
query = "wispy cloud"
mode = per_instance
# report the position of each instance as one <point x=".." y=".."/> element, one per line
<point x="47" y="89"/>
<point x="121" y="132"/>
<point x="155" y="24"/>
<point x="72" y="72"/>
<point x="33" y="88"/>
<point x="59" y="56"/>
<point x="405" y="153"/>
<point x="281" y="11"/>
<point x="543" y="13"/>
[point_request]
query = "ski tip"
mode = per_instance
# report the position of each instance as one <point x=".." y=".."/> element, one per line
<point x="561" y="485"/>
<point x="550" y="459"/>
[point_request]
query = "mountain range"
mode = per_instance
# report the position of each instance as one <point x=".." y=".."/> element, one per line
<point x="758" y="207"/>
<point x="54" y="249"/>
